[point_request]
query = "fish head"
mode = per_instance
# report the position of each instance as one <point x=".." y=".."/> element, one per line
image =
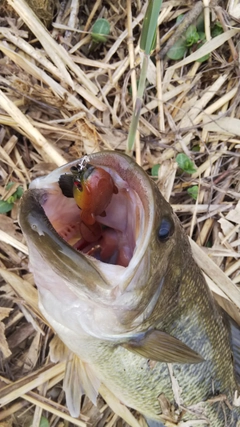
<point x="116" y="284"/>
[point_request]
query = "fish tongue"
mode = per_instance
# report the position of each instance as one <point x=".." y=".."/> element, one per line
<point x="108" y="246"/>
<point x="91" y="233"/>
<point x="115" y="248"/>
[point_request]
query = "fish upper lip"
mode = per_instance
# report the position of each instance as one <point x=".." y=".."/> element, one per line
<point x="42" y="188"/>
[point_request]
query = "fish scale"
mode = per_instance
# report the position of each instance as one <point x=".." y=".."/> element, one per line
<point x="127" y="323"/>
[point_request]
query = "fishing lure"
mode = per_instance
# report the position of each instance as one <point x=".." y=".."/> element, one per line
<point x="92" y="188"/>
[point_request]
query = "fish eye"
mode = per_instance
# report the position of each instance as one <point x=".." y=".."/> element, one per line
<point x="166" y="229"/>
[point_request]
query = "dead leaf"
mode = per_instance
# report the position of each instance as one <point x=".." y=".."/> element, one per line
<point x="4" y="349"/>
<point x="226" y="226"/>
<point x="4" y="312"/>
<point x="234" y="215"/>
<point x="23" y="289"/>
<point x="118" y="407"/>
<point x="32" y="354"/>
<point x="225" y="125"/>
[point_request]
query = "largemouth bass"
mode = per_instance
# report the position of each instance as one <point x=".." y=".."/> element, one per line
<point x="130" y="302"/>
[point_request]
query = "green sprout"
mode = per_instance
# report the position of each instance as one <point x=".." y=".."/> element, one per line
<point x="44" y="422"/>
<point x="217" y="29"/>
<point x="192" y="40"/>
<point x="191" y="35"/>
<point x="100" y="30"/>
<point x="193" y="192"/>
<point x="196" y="148"/>
<point x="7" y="205"/>
<point x="178" y="50"/>
<point x="185" y="163"/>
<point x="154" y="171"/>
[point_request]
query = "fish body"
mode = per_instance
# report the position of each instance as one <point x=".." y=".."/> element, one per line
<point x="147" y="328"/>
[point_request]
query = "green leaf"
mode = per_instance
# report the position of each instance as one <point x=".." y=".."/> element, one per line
<point x="130" y="88"/>
<point x="202" y="36"/>
<point x="205" y="57"/>
<point x="179" y="18"/>
<point x="146" y="44"/>
<point x="12" y="198"/>
<point x="193" y="192"/>
<point x="200" y="23"/>
<point x="196" y="148"/>
<point x="9" y="185"/>
<point x="217" y="30"/>
<point x="192" y="35"/>
<point x="150" y="25"/>
<point x="100" y="29"/>
<point x="154" y="42"/>
<point x="44" y="422"/>
<point x="208" y="244"/>
<point x="185" y="163"/>
<point x="19" y="192"/>
<point x="178" y="50"/>
<point x="5" y="206"/>
<point x="154" y="170"/>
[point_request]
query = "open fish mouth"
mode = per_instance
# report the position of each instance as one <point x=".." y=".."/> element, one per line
<point x="107" y="272"/>
<point x="109" y="236"/>
<point x="120" y="235"/>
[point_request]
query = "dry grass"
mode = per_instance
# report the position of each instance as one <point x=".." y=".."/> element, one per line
<point x="61" y="98"/>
